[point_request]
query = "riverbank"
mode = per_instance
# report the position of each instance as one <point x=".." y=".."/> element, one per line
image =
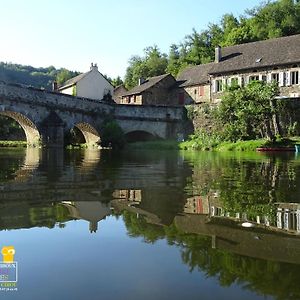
<point x="214" y="145"/>
<point x="13" y="144"/>
<point x="251" y="145"/>
<point x="192" y="144"/>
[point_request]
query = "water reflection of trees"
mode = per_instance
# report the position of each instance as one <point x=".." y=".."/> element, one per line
<point x="246" y="183"/>
<point x="264" y="277"/>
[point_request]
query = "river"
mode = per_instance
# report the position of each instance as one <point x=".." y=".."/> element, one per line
<point x="91" y="224"/>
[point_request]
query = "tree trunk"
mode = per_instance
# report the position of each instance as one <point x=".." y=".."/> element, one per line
<point x="268" y="131"/>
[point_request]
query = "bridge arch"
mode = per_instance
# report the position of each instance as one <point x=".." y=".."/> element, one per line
<point x="91" y="135"/>
<point x="31" y="132"/>
<point x="139" y="135"/>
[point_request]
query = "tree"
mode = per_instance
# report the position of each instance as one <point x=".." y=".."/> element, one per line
<point x="112" y="135"/>
<point x="117" y="81"/>
<point x="173" y="60"/>
<point x="153" y="63"/>
<point x="63" y="75"/>
<point x="246" y="112"/>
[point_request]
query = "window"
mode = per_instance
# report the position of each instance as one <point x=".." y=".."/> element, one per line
<point x="201" y="90"/>
<point x="195" y="91"/>
<point x="234" y="81"/>
<point x="252" y="78"/>
<point x="295" y="77"/>
<point x="264" y="78"/>
<point x="275" y="77"/>
<point x="219" y="85"/>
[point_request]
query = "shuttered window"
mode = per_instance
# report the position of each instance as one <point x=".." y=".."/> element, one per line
<point x="295" y="77"/>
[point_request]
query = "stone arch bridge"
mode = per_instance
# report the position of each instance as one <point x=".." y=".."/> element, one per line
<point x="47" y="116"/>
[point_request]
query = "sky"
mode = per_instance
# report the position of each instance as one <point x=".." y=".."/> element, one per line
<point x="74" y="33"/>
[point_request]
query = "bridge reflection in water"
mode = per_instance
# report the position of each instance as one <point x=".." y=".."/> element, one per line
<point x="154" y="198"/>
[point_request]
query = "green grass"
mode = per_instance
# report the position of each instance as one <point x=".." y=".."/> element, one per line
<point x="240" y="145"/>
<point x="14" y="144"/>
<point x="204" y="143"/>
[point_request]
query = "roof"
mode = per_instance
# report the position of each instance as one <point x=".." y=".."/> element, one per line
<point x="120" y="89"/>
<point x="194" y="75"/>
<point x="150" y="82"/>
<point x="268" y="53"/>
<point x="73" y="80"/>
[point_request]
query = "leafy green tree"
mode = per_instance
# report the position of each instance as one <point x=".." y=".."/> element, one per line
<point x="117" y="81"/>
<point x="63" y="75"/>
<point x="112" y="135"/>
<point x="245" y="110"/>
<point x="173" y="60"/>
<point x="153" y="63"/>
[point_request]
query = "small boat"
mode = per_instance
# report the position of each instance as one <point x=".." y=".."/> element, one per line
<point x="270" y="149"/>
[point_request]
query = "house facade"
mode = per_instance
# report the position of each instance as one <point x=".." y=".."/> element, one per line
<point x="119" y="91"/>
<point x="156" y="90"/>
<point x="92" y="85"/>
<point x="271" y="60"/>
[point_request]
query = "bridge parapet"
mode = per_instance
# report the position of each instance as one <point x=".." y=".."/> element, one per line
<point x="32" y="108"/>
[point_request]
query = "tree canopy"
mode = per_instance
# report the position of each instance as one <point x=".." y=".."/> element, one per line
<point x="271" y="19"/>
<point x="247" y="112"/>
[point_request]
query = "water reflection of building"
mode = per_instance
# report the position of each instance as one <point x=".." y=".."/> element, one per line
<point x="133" y="196"/>
<point x="197" y="205"/>
<point x="287" y="217"/>
<point x="281" y="216"/>
<point x="93" y="212"/>
<point x="201" y="204"/>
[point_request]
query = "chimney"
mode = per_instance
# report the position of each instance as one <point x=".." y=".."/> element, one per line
<point x="54" y="86"/>
<point x="141" y="80"/>
<point x="94" y="67"/>
<point x="218" y="54"/>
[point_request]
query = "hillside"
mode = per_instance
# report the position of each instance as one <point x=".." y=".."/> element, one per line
<point x="36" y="77"/>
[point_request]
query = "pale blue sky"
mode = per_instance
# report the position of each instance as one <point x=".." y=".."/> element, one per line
<point x="72" y="34"/>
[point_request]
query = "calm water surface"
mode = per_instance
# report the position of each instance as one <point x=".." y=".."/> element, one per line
<point x="151" y="225"/>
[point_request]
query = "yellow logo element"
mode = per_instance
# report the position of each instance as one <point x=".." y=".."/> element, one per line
<point x="8" y="253"/>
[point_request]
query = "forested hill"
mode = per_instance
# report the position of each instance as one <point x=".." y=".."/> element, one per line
<point x="40" y="77"/>
<point x="36" y="77"/>
<point x="271" y="19"/>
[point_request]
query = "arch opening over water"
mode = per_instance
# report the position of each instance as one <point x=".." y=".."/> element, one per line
<point x="30" y="130"/>
<point x="89" y="133"/>
<point x="139" y="136"/>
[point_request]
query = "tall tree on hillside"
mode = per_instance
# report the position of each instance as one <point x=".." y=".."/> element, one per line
<point x="117" y="81"/>
<point x="153" y="63"/>
<point x="275" y="19"/>
<point x="63" y="75"/>
<point x="173" y="60"/>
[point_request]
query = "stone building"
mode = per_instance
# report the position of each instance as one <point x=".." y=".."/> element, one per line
<point x="271" y="60"/>
<point x="119" y="91"/>
<point x="92" y="85"/>
<point x="156" y="90"/>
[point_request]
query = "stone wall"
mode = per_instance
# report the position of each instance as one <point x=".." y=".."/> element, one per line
<point x="31" y="107"/>
<point x="201" y="117"/>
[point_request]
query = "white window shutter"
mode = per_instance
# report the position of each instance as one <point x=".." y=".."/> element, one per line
<point x="269" y="78"/>
<point x="214" y="86"/>
<point x="281" y="79"/>
<point x="224" y="83"/>
<point x="240" y="81"/>
<point x="247" y="79"/>
<point x="288" y="78"/>
<point x="260" y="77"/>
